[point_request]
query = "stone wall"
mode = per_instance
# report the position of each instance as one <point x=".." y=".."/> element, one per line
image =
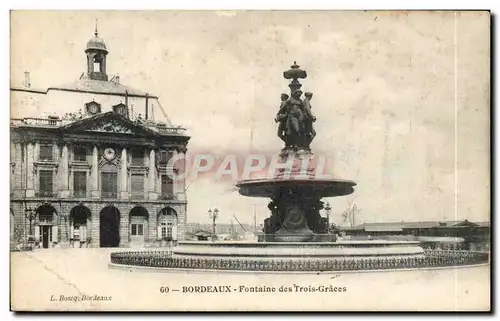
<point x="64" y="207"/>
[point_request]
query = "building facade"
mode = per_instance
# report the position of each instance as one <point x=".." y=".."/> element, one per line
<point x="99" y="175"/>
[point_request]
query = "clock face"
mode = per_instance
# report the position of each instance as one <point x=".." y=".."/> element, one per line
<point x="109" y="153"/>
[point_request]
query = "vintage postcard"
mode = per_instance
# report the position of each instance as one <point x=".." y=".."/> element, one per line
<point x="250" y="161"/>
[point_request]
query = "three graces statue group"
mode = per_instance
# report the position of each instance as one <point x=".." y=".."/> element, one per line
<point x="294" y="116"/>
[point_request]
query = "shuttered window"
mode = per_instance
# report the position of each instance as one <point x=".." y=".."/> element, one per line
<point x="137" y="156"/>
<point x="46" y="183"/>
<point x="137" y="185"/>
<point x="46" y="153"/>
<point x="109" y="185"/>
<point x="80" y="154"/>
<point x="167" y="187"/>
<point x="165" y="156"/>
<point x="80" y="184"/>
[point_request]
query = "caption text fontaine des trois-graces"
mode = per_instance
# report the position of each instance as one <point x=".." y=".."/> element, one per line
<point x="261" y="289"/>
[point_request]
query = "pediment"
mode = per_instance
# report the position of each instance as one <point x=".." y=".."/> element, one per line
<point x="109" y="123"/>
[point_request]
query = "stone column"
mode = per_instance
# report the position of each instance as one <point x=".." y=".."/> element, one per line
<point x="30" y="171"/>
<point x="152" y="195"/>
<point x="95" y="173"/>
<point x="179" y="179"/>
<point x="181" y="222"/>
<point x="64" y="173"/>
<point x="57" y="158"/>
<point x="17" y="176"/>
<point x="123" y="174"/>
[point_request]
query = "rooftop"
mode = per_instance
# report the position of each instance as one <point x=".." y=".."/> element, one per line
<point x="86" y="84"/>
<point x="399" y="226"/>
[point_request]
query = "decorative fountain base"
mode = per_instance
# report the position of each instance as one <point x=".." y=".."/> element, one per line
<point x="298" y="250"/>
<point x="295" y="236"/>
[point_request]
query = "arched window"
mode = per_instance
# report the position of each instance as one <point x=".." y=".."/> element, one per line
<point x="93" y="108"/>
<point x="167" y="224"/>
<point x="120" y="109"/>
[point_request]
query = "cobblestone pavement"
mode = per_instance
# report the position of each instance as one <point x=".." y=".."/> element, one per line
<point x="58" y="279"/>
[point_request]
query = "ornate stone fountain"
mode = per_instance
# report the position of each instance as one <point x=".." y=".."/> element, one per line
<point x="296" y="238"/>
<point x="296" y="190"/>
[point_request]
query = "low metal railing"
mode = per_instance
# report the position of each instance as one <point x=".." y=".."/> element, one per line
<point x="37" y="122"/>
<point x="165" y="259"/>
<point x="45" y="194"/>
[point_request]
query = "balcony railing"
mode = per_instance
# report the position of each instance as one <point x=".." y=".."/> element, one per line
<point x="109" y="194"/>
<point x="45" y="194"/>
<point x="80" y="194"/>
<point x="137" y="196"/>
<point x="167" y="196"/>
<point x="163" y="129"/>
<point x="37" y="122"/>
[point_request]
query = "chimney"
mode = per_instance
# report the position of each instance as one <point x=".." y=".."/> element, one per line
<point x="27" y="82"/>
<point x="147" y="96"/>
<point x="126" y="102"/>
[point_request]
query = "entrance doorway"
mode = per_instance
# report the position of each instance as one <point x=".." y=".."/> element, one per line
<point x="79" y="225"/>
<point x="46" y="235"/>
<point x="138" y="225"/>
<point x="46" y="228"/>
<point x="109" y="227"/>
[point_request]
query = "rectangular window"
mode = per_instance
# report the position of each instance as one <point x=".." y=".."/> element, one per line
<point x="167" y="187"/>
<point x="137" y="185"/>
<point x="80" y="154"/>
<point x="46" y="183"/>
<point x="163" y="230"/>
<point x="169" y="231"/>
<point x="46" y="153"/>
<point x="109" y="185"/>
<point x="165" y="157"/>
<point x="137" y="157"/>
<point x="80" y="184"/>
<point x="137" y="229"/>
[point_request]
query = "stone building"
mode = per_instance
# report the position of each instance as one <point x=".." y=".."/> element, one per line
<point x="96" y="176"/>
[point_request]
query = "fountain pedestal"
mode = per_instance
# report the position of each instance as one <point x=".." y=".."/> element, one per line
<point x="295" y="192"/>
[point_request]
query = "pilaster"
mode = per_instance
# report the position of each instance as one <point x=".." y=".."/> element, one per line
<point x="95" y="173"/>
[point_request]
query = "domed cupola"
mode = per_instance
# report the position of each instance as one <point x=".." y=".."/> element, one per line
<point x="96" y="43"/>
<point x="96" y="58"/>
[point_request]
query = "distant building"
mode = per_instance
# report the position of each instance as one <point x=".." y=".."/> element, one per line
<point x="96" y="176"/>
<point x="475" y="232"/>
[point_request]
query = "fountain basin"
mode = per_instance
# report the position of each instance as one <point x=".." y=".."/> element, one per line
<point x="299" y="250"/>
<point x="320" y="187"/>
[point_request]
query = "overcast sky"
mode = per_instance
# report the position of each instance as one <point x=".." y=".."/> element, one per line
<point x="387" y="89"/>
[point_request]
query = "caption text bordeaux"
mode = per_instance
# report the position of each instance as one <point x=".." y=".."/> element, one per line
<point x="243" y="288"/>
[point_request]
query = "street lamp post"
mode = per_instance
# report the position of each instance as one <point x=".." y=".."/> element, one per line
<point x="65" y="218"/>
<point x="328" y="210"/>
<point x="30" y="216"/>
<point x="213" y="215"/>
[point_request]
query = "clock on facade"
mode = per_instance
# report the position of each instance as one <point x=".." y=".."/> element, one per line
<point x="109" y="153"/>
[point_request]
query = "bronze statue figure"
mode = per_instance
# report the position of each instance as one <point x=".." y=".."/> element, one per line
<point x="281" y="117"/>
<point x="309" y="119"/>
<point x="295" y="120"/>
